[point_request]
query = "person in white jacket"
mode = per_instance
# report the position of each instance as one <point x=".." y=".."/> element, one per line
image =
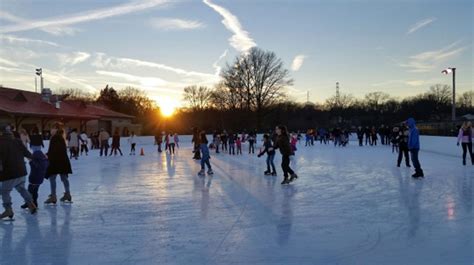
<point x="465" y="137"/>
<point x="132" y="140"/>
<point x="84" y="141"/>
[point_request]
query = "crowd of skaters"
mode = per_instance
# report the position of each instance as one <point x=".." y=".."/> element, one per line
<point x="15" y="145"/>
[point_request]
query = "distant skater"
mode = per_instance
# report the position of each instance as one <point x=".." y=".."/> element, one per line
<point x="402" y="141"/>
<point x="465" y="137"/>
<point x="205" y="155"/>
<point x="132" y="140"/>
<point x="414" y="147"/>
<point x="116" y="143"/>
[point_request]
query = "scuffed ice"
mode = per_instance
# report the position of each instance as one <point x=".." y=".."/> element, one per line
<point x="350" y="206"/>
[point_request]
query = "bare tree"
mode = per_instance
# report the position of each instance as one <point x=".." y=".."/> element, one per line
<point x="344" y="101"/>
<point x="197" y="97"/>
<point x="466" y="99"/>
<point x="258" y="78"/>
<point x="374" y="100"/>
<point x="77" y="94"/>
<point x="439" y="93"/>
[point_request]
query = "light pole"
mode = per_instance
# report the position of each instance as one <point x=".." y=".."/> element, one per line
<point x="453" y="107"/>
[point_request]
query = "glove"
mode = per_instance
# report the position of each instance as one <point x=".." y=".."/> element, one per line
<point x="259" y="155"/>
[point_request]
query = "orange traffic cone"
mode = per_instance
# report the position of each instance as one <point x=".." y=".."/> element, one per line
<point x="142" y="153"/>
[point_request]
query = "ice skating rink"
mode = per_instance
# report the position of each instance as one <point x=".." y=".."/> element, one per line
<point x="350" y="206"/>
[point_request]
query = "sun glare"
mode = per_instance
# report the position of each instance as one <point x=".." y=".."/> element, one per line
<point x="167" y="106"/>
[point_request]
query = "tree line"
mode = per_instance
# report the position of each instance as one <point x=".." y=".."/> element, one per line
<point x="252" y="94"/>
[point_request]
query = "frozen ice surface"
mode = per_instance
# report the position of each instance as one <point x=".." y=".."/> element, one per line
<point x="350" y="206"/>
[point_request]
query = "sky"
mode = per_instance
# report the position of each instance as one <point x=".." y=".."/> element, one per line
<point x="399" y="47"/>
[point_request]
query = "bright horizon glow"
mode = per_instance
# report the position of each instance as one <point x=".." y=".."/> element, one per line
<point x="399" y="48"/>
<point x="167" y="105"/>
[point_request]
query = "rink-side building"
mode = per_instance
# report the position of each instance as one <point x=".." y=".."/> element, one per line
<point x="26" y="109"/>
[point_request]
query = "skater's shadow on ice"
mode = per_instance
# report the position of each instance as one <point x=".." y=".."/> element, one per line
<point x="42" y="242"/>
<point x="465" y="189"/>
<point x="170" y="166"/>
<point x="285" y="222"/>
<point x="410" y="191"/>
<point x="203" y="186"/>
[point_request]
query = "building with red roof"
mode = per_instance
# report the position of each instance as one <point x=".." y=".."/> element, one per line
<point x="26" y="109"/>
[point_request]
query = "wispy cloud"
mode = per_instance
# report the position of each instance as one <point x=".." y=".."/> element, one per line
<point x="104" y="61"/>
<point x="82" y="17"/>
<point x="73" y="58"/>
<point x="297" y="62"/>
<point x="175" y="24"/>
<point x="146" y="82"/>
<point x="430" y="60"/>
<point x="216" y="63"/>
<point x="8" y="62"/>
<point x="420" y="24"/>
<point x="54" y="30"/>
<point x="14" y="40"/>
<point x="241" y="40"/>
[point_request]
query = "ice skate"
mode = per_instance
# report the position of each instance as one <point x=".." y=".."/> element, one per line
<point x="51" y="199"/>
<point x="210" y="172"/>
<point x="293" y="177"/>
<point x="285" y="181"/>
<point x="201" y="173"/>
<point x="274" y="173"/>
<point x="8" y="213"/>
<point x="32" y="207"/>
<point x="24" y="205"/>
<point x="67" y="197"/>
<point x="266" y="173"/>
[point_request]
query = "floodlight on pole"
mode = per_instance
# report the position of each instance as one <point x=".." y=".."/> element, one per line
<point x="453" y="107"/>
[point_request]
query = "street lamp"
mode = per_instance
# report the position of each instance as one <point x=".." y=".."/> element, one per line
<point x="453" y="109"/>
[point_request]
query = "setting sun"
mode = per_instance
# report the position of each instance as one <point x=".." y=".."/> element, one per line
<point x="167" y="106"/>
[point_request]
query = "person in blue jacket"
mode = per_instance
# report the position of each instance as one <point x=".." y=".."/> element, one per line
<point x="39" y="165"/>
<point x="414" y="147"/>
<point x="205" y="155"/>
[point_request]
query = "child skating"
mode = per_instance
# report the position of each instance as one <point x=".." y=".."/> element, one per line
<point x="270" y="151"/>
<point x="39" y="165"/>
<point x="132" y="140"/>
<point x="205" y="155"/>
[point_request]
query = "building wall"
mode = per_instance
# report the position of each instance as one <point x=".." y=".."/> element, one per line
<point x="91" y="126"/>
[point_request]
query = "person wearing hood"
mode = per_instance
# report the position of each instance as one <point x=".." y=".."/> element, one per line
<point x="414" y="147"/>
<point x="13" y="171"/>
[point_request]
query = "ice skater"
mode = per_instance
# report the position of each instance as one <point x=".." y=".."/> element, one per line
<point x="13" y="171"/>
<point x="205" y="155"/>
<point x="231" y="144"/>
<point x="414" y="147"/>
<point x="238" y="143"/>
<point x="252" y="138"/>
<point x="465" y="137"/>
<point x="84" y="141"/>
<point x="171" y="143"/>
<point x="360" y="135"/>
<point x="59" y="164"/>
<point x="283" y="143"/>
<point x="197" y="144"/>
<point x="116" y="143"/>
<point x="104" y="137"/>
<point x="36" y="140"/>
<point x="132" y="140"/>
<point x="270" y="151"/>
<point x="39" y="165"/>
<point x="402" y="141"/>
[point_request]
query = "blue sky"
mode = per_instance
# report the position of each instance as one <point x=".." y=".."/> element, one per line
<point x="399" y="47"/>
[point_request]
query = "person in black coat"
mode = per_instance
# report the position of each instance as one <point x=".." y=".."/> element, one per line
<point x="283" y="143"/>
<point x="13" y="171"/>
<point x="36" y="140"/>
<point x="58" y="164"/>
